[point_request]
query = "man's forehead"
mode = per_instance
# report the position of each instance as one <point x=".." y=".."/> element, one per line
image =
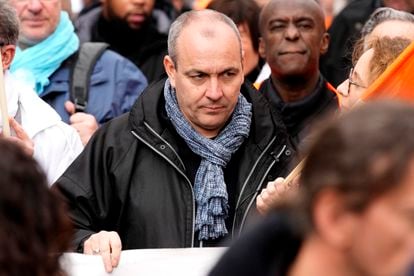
<point x="298" y="8"/>
<point x="206" y="29"/>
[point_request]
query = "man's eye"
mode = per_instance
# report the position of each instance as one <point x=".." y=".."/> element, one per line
<point x="276" y="27"/>
<point x="229" y="74"/>
<point x="197" y="77"/>
<point x="305" y="26"/>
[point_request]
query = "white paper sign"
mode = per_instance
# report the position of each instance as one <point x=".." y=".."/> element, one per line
<point x="153" y="262"/>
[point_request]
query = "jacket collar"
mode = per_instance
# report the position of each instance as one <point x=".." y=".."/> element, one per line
<point x="296" y="114"/>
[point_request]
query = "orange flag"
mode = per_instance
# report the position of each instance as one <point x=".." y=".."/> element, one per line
<point x="200" y="4"/>
<point x="397" y="81"/>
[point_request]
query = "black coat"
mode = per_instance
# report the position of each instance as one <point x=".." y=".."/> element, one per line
<point x="299" y="117"/>
<point x="131" y="177"/>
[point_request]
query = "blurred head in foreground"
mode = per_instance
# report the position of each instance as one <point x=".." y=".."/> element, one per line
<point x="34" y="228"/>
<point x="353" y="213"/>
<point x="357" y="190"/>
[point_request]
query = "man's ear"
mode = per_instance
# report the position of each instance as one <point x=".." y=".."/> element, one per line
<point x="262" y="48"/>
<point x="325" y="43"/>
<point x="7" y="55"/>
<point x="334" y="222"/>
<point x="169" y="67"/>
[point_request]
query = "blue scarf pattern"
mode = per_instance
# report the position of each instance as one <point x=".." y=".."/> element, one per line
<point x="209" y="187"/>
<point x="37" y="63"/>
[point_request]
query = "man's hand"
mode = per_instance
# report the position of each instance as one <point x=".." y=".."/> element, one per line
<point x="106" y="244"/>
<point x="21" y="138"/>
<point x="84" y="123"/>
<point x="273" y="193"/>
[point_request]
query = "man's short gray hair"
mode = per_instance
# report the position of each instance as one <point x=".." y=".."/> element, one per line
<point x="186" y="18"/>
<point x="381" y="15"/>
<point x="9" y="24"/>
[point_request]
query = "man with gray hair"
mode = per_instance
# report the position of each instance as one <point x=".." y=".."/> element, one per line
<point x="183" y="168"/>
<point x="34" y="124"/>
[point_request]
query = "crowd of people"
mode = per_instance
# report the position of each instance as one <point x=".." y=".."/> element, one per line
<point x="169" y="124"/>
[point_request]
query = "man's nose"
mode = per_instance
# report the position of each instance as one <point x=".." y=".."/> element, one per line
<point x="214" y="90"/>
<point x="34" y="5"/>
<point x="292" y="32"/>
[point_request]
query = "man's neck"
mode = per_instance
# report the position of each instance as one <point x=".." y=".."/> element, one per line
<point x="295" y="88"/>
<point x="316" y="257"/>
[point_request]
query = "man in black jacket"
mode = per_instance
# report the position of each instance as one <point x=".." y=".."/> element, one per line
<point x="184" y="167"/>
<point x="293" y="38"/>
<point x="128" y="26"/>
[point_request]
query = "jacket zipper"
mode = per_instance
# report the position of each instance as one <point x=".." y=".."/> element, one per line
<point x="248" y="178"/>
<point x="174" y="166"/>
<point x="258" y="187"/>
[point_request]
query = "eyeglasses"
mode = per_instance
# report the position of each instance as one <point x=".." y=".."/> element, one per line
<point x="351" y="82"/>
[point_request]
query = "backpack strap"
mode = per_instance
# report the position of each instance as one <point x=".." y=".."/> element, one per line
<point x="82" y="69"/>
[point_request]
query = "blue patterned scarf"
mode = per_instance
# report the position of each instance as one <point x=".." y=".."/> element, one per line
<point x="37" y="63"/>
<point x="209" y="187"/>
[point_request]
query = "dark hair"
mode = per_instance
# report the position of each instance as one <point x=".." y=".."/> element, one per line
<point x="361" y="155"/>
<point x="34" y="227"/>
<point x="241" y="11"/>
<point x="9" y="24"/>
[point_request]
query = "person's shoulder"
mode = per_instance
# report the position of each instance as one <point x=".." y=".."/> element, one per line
<point x="115" y="129"/>
<point x="90" y="14"/>
<point x="110" y="57"/>
<point x="119" y="68"/>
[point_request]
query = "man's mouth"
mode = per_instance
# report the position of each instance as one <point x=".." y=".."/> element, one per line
<point x="137" y="18"/>
<point x="214" y="108"/>
<point x="299" y="52"/>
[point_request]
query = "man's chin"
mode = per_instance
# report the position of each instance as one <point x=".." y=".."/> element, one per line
<point x="136" y="24"/>
<point x="32" y="40"/>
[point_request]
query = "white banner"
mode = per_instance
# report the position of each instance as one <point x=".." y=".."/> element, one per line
<point x="153" y="262"/>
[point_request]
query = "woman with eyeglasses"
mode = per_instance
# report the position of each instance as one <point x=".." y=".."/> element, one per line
<point x="381" y="53"/>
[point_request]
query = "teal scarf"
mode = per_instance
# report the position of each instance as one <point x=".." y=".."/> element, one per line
<point x="37" y="63"/>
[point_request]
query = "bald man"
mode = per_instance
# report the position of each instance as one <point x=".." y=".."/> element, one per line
<point x="293" y="37"/>
<point x="184" y="167"/>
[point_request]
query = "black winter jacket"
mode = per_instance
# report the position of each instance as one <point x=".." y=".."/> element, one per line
<point x="298" y="117"/>
<point x="130" y="179"/>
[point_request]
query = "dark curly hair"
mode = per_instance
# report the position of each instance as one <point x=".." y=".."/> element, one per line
<point x="34" y="226"/>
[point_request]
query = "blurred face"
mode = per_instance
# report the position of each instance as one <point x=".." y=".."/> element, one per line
<point x="293" y="37"/>
<point x="134" y="12"/>
<point x="38" y="18"/>
<point x="384" y="241"/>
<point x="403" y="5"/>
<point x="207" y="75"/>
<point x="261" y="3"/>
<point x="394" y="28"/>
<point x="251" y="57"/>
<point x="358" y="81"/>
